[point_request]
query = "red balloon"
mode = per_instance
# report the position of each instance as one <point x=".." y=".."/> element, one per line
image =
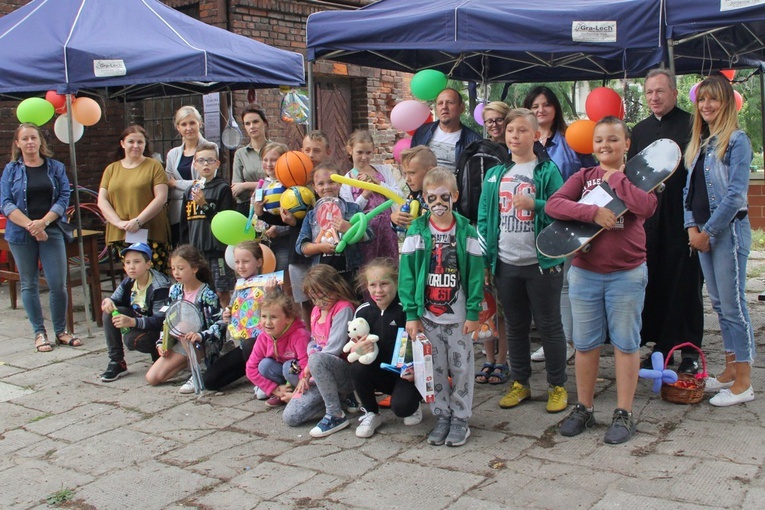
<point x="739" y="100"/>
<point x="56" y="99"/>
<point x="602" y="102"/>
<point x="728" y="73"/>
<point x="579" y="136"/>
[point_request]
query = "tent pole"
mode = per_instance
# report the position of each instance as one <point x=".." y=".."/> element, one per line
<point x="671" y="55"/>
<point x="762" y="106"/>
<point x="485" y="99"/>
<point x="312" y="121"/>
<point x="78" y="220"/>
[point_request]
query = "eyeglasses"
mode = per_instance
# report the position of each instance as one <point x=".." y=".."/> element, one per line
<point x="491" y="122"/>
<point x="205" y="161"/>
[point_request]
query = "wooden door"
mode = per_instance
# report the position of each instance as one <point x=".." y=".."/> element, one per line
<point x="333" y="104"/>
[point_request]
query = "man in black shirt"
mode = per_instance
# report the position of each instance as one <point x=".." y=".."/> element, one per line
<point x="673" y="311"/>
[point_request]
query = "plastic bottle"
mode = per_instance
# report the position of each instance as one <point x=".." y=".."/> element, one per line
<point x="122" y="330"/>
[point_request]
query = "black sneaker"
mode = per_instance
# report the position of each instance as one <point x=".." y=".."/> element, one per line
<point x="114" y="371"/>
<point x="622" y="428"/>
<point x="577" y="422"/>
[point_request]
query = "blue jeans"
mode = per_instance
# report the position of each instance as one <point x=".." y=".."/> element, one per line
<point x="610" y="300"/>
<point x="52" y="255"/>
<point x="724" y="268"/>
<point x="278" y="372"/>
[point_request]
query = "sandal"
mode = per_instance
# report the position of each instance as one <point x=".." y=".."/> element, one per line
<point x="482" y="377"/>
<point x="499" y="374"/>
<point x="42" y="344"/>
<point x="73" y="341"/>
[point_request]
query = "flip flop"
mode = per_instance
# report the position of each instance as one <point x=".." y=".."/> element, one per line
<point x="72" y="342"/>
<point x="42" y="344"/>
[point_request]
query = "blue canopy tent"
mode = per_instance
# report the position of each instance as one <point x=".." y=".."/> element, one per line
<point x="703" y="35"/>
<point x="133" y="49"/>
<point x="495" y="40"/>
<point x="129" y="49"/>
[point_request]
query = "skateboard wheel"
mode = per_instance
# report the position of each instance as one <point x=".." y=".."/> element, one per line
<point x="660" y="188"/>
<point x="586" y="248"/>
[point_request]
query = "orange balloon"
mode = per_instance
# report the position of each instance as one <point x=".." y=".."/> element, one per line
<point x="86" y="111"/>
<point x="579" y="136"/>
<point x="728" y="73"/>
<point x="739" y="100"/>
<point x="602" y="102"/>
<point x="269" y="259"/>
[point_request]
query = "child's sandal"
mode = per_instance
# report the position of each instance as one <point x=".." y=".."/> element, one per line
<point x="499" y="374"/>
<point x="482" y="377"/>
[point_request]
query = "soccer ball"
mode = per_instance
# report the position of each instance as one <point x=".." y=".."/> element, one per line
<point x="297" y="200"/>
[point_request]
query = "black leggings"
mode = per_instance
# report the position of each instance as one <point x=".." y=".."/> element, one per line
<point x="405" y="398"/>
<point x="229" y="367"/>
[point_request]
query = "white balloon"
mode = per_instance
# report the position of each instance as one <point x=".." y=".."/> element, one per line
<point x="229" y="256"/>
<point x="62" y="130"/>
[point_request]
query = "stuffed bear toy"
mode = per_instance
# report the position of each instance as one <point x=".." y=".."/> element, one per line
<point x="357" y="328"/>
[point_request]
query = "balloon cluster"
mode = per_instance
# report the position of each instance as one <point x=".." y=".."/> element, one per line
<point x="409" y="115"/>
<point x="601" y="102"/>
<point x="730" y="74"/>
<point x="38" y="111"/>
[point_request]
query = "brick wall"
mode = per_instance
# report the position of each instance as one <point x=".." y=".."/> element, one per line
<point x="757" y="203"/>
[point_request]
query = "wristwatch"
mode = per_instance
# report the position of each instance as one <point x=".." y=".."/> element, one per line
<point x="47" y="223"/>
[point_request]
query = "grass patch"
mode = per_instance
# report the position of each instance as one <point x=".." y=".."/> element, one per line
<point x="41" y="417"/>
<point x="758" y="239"/>
<point x="60" y="497"/>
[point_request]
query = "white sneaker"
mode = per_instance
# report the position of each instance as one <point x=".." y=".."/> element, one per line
<point x="570" y="351"/>
<point x="727" y="398"/>
<point x="259" y="394"/>
<point x="712" y="384"/>
<point x="188" y="387"/>
<point x="415" y="418"/>
<point x="369" y="423"/>
<point x="538" y="355"/>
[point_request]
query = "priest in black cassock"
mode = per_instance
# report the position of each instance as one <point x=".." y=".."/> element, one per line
<point x="673" y="311"/>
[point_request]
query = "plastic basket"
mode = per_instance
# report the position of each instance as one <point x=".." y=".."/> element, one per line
<point x="689" y="389"/>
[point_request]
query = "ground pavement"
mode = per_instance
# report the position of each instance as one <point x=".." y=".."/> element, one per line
<point x="68" y="438"/>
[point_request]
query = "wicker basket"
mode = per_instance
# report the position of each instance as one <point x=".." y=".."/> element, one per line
<point x="686" y="395"/>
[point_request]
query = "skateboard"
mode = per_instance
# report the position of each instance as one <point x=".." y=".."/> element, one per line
<point x="647" y="170"/>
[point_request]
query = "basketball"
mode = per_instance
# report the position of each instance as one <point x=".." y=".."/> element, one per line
<point x="292" y="168"/>
<point x="297" y="200"/>
<point x="272" y="194"/>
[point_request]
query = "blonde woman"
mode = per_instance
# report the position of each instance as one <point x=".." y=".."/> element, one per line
<point x="178" y="165"/>
<point x="718" y="158"/>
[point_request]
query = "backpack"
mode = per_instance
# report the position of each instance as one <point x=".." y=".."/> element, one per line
<point x="474" y="161"/>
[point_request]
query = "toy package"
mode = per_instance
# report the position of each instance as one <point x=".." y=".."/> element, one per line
<point x="422" y="353"/>
<point x="402" y="353"/>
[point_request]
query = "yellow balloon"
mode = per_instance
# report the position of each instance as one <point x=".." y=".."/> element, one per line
<point x="370" y="186"/>
<point x="414" y="208"/>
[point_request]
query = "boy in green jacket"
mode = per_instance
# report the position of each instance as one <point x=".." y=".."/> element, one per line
<point x="510" y="217"/>
<point x="441" y="290"/>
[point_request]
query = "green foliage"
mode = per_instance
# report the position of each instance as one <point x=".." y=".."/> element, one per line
<point x="60" y="497"/>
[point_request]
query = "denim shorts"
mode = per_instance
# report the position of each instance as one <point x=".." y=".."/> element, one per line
<point x="610" y="302"/>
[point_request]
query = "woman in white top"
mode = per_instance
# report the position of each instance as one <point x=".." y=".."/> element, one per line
<point x="179" y="168"/>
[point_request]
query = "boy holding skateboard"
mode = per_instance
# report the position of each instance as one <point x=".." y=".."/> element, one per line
<point x="510" y="216"/>
<point x="607" y="283"/>
<point x="441" y="290"/>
